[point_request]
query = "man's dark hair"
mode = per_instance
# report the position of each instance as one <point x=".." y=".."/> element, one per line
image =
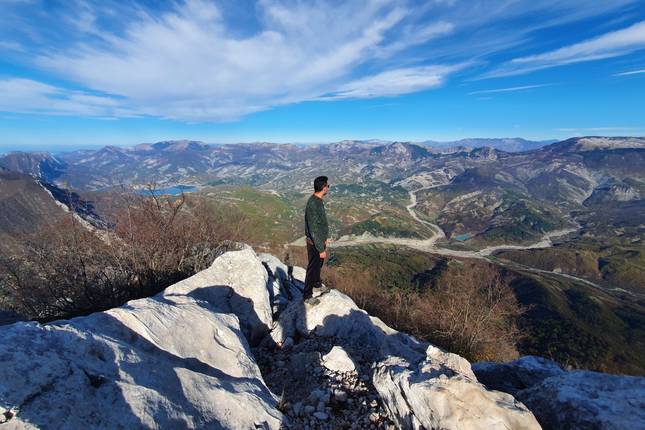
<point x="319" y="183"/>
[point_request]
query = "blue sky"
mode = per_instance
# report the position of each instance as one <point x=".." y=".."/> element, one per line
<point x="78" y="73"/>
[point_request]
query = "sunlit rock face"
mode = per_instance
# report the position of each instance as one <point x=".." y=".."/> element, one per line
<point x="176" y="360"/>
<point x="569" y="400"/>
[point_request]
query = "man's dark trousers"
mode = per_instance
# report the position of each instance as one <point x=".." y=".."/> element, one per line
<point x="312" y="278"/>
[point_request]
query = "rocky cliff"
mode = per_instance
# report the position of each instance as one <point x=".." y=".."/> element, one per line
<point x="234" y="347"/>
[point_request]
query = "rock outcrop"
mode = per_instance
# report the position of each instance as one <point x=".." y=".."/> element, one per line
<point x="176" y="360"/>
<point x="517" y="375"/>
<point x="415" y="384"/>
<point x="569" y="400"/>
<point x="235" y="347"/>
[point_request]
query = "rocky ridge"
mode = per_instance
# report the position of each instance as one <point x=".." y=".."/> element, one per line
<point x="235" y="347"/>
<point x="577" y="399"/>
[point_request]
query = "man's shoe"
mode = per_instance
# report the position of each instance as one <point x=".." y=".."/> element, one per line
<point x="319" y="291"/>
<point x="312" y="301"/>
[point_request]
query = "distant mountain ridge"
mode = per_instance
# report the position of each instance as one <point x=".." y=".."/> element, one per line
<point x="194" y="162"/>
<point x="486" y="192"/>
<point x="38" y="164"/>
<point x="513" y="144"/>
<point x="597" y="143"/>
<point x="28" y="202"/>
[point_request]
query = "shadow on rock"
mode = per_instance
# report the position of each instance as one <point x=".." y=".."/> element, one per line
<point x="162" y="362"/>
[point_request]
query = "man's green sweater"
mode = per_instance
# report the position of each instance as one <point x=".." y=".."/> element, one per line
<point x="316" y="227"/>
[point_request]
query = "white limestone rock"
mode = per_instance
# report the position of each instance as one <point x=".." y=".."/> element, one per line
<point x="279" y="269"/>
<point x="290" y="286"/>
<point x="569" y="400"/>
<point x="170" y="361"/>
<point x="285" y="327"/>
<point x="282" y="289"/>
<point x="247" y="293"/>
<point x="338" y="316"/>
<point x="299" y="274"/>
<point x="432" y="394"/>
<point x="420" y="385"/>
<point x="516" y="375"/>
<point x="588" y="400"/>
<point x="337" y="360"/>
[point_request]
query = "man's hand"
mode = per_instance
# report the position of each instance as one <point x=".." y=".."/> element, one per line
<point x="323" y="255"/>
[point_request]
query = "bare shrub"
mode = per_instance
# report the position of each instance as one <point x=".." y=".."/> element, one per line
<point x="360" y="289"/>
<point x="470" y="311"/>
<point x="57" y="272"/>
<point x="68" y="269"/>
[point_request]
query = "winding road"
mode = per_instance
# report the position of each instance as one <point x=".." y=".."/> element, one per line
<point x="430" y="245"/>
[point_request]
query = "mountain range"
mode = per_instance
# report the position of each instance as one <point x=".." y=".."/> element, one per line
<point x="484" y="196"/>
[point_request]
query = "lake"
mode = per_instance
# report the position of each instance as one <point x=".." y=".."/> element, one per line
<point x="170" y="191"/>
<point x="462" y="237"/>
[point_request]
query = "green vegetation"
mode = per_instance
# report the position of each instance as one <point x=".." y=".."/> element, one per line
<point x="248" y="181"/>
<point x="391" y="267"/>
<point x="520" y="221"/>
<point x="581" y="326"/>
<point x="277" y="218"/>
<point x="490" y="216"/>
<point x="391" y="195"/>
<point x="605" y="261"/>
<point x="391" y="224"/>
<point x="272" y="218"/>
<point x="569" y="322"/>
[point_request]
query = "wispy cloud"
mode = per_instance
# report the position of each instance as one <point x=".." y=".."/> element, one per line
<point x="632" y="72"/>
<point x="32" y="97"/>
<point x="510" y="89"/>
<point x="189" y="60"/>
<point x="11" y="46"/>
<point x="600" y="129"/>
<point x="612" y="44"/>
<point x="205" y="72"/>
<point x="394" y="82"/>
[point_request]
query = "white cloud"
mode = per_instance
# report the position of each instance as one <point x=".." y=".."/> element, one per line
<point x="416" y="35"/>
<point x="394" y="82"/>
<point x="612" y="44"/>
<point x="186" y="64"/>
<point x="510" y="89"/>
<point x="11" y="46"/>
<point x="632" y="72"/>
<point x="194" y="63"/>
<point x="600" y="129"/>
<point x="32" y="97"/>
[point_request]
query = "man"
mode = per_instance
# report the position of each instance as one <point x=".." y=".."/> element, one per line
<point x="317" y="232"/>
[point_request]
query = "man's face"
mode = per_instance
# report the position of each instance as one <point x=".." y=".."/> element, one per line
<point x="325" y="189"/>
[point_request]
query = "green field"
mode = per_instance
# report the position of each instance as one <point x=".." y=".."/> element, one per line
<point x="278" y="218"/>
